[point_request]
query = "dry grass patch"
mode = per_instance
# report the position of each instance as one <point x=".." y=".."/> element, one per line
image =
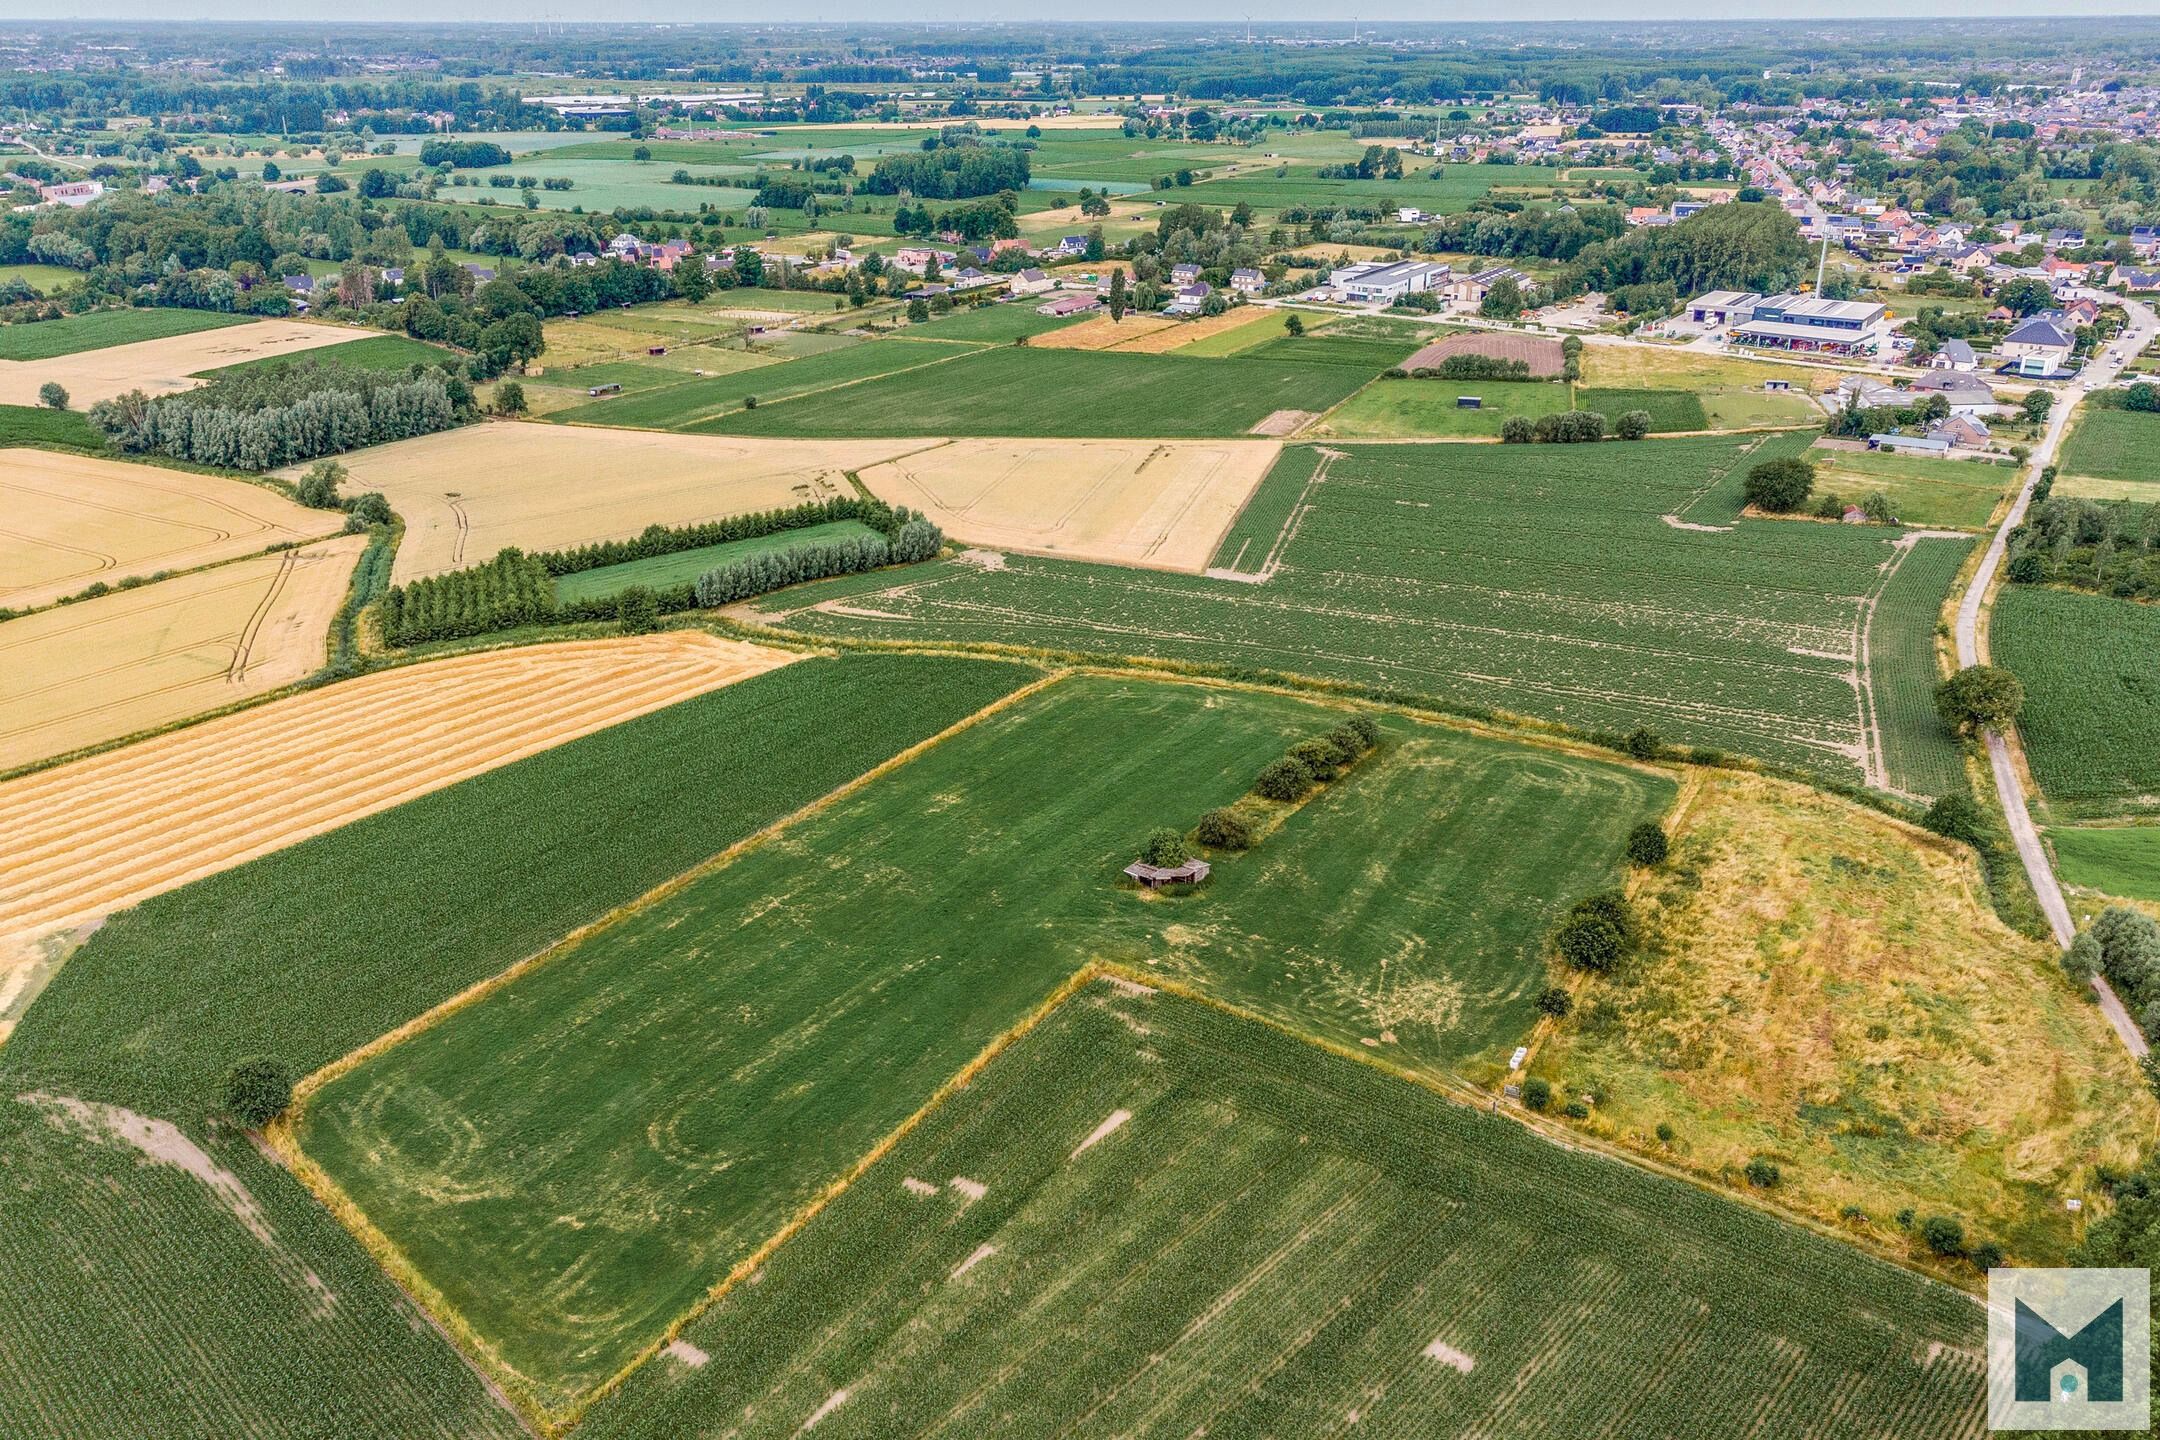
<point x="108" y="831"/>
<point x="1188" y="332"/>
<point x="160" y="367"/>
<point x="1100" y="332"/>
<point x="83" y="674"/>
<point x="1619" y="365"/>
<point x="1157" y="503"/>
<point x="1831" y="990"/>
<point x="73" y="520"/>
<point x="466" y="494"/>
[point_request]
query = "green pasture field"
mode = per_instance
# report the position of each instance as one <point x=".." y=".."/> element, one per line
<point x="1936" y="494"/>
<point x="2112" y="445"/>
<point x="1414" y="409"/>
<point x="662" y="572"/>
<point x="377" y="352"/>
<point x="701" y="404"/>
<point x="758" y="297"/>
<point x="38" y="425"/>
<point x="102" y="329"/>
<point x="997" y="324"/>
<point x="1539" y="580"/>
<point x="2091" y="669"/>
<point x="1338" y="345"/>
<point x="1241" y="339"/>
<point x="314" y="950"/>
<point x="1919" y="753"/>
<point x="739" y="1044"/>
<point x="635" y="375"/>
<point x="45" y="279"/>
<point x="1149" y="1217"/>
<point x="2118" y="860"/>
<point x="1012" y="390"/>
<point x="1750" y="409"/>
<point x="1668" y="409"/>
<point x="1457" y="187"/>
<point x="139" y="1302"/>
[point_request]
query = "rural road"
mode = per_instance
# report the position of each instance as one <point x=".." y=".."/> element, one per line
<point x="2102" y="370"/>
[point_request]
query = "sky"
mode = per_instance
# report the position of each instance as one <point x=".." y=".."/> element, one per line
<point x="1235" y="11"/>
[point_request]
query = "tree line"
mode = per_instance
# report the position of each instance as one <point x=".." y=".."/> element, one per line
<point x="260" y="420"/>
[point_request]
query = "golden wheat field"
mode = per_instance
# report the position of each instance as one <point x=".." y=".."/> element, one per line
<point x="82" y="674"/>
<point x="74" y="520"/>
<point x="1158" y="503"/>
<point x="466" y="494"/>
<point x="160" y="367"/>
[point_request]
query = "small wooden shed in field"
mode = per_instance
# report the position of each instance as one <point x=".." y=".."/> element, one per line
<point x="1192" y="872"/>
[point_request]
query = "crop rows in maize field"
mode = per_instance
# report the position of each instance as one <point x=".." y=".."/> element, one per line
<point x="1565" y="583"/>
<point x="571" y="1160"/>
<point x="1148" y="1217"/>
<point x="2091" y="669"/>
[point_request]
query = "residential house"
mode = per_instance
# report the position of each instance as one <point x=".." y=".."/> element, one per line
<point x="1869" y="392"/>
<point x="1967" y="394"/>
<point x="1963" y="432"/>
<point x="2136" y="281"/>
<point x="2040" y="346"/>
<point x="1409" y="215"/>
<point x="1247" y="281"/>
<point x="1954" y="355"/>
<point x="1182" y="275"/>
<point x="1189" y="299"/>
<point x="1029" y="282"/>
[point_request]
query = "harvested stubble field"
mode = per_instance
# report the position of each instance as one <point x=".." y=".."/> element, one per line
<point x="467" y="494"/>
<point x="1100" y="332"/>
<point x="108" y="831"/>
<point x="744" y="1039"/>
<point x="162" y="366"/>
<point x="1544" y="580"/>
<point x="1833" y="990"/>
<point x="2091" y="669"/>
<point x="1128" y="502"/>
<point x="1148" y="1217"/>
<point x="100" y="669"/>
<point x="73" y="520"/>
<point x="1032" y="391"/>
<point x="102" y="329"/>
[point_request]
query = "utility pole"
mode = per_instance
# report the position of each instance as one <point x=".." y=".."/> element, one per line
<point x="1822" y="264"/>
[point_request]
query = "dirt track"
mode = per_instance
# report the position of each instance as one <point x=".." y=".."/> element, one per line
<point x="101" y="833"/>
<point x="72" y="520"/>
<point x="81" y="674"/>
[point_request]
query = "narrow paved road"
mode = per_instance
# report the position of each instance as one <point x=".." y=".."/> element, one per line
<point x="2100" y="372"/>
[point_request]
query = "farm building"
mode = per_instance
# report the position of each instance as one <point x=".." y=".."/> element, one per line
<point x="1909" y="444"/>
<point x="1070" y="303"/>
<point x="1388" y="282"/>
<point x="1811" y="325"/>
<point x="1724" y="307"/>
<point x="1192" y="872"/>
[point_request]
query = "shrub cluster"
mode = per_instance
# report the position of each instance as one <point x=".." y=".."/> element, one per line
<point x="259" y="420"/>
<point x="2124" y="945"/>
<point x="2112" y="549"/>
<point x="1313" y="761"/>
<point x="1476" y="367"/>
<point x="1567" y="427"/>
<point x="258" y="1090"/>
<point x="1597" y="932"/>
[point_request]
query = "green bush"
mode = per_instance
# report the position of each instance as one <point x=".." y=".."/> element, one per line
<point x="1224" y="829"/>
<point x="638" y="610"/>
<point x="1596" y="932"/>
<point x="1365" y="728"/>
<point x="1763" y="1174"/>
<point x="1165" y="846"/>
<point x="1779" y="486"/>
<point x="318" y="488"/>
<point x="1576" y="1110"/>
<point x="1556" y="1001"/>
<point x="1643" y="743"/>
<point x="1284" y="779"/>
<point x="1647" y="845"/>
<point x="1322" y="757"/>
<point x="258" y="1089"/>
<point x="1943" y="1236"/>
<point x="1536" y="1093"/>
<point x="1956" y="817"/>
<point x="1986" y="1256"/>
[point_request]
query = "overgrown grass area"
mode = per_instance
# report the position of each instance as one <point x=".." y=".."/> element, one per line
<point x="102" y="329"/>
<point x="1832" y="992"/>
<point x="1414" y="409"/>
<point x="1254" y="1236"/>
<point x="739" y="1044"/>
<point x="996" y="324"/>
<point x="684" y="566"/>
<point x="2113" y="445"/>
<point x="1542" y="580"/>
<point x="377" y="352"/>
<point x="1668" y="409"/>
<point x="1938" y="494"/>
<point x="312" y="951"/>
<point x="2091" y="669"/>
<point x="1012" y="390"/>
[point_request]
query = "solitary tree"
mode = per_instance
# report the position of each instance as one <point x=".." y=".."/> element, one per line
<point x="318" y="488"/>
<point x="52" y="395"/>
<point x="1632" y="424"/>
<point x="1504" y="301"/>
<point x="1647" y="845"/>
<point x="2036" y="405"/>
<point x="1979" y="697"/>
<point x="1117" y="297"/>
<point x="1779" y="486"/>
<point x="509" y="398"/>
<point x="258" y="1089"/>
<point x="1293" y="325"/>
<point x="1165" y="847"/>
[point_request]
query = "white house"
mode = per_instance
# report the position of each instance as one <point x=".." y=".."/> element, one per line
<point x="1030" y="282"/>
<point x="1954" y="355"/>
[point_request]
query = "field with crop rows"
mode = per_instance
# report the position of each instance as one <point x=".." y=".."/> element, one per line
<point x="319" y="948"/>
<point x="1918" y="754"/>
<point x="169" y="1281"/>
<point x="2091" y="669"/>
<point x="2113" y="445"/>
<point x="1556" y="589"/>
<point x="698" y="404"/>
<point x="1012" y="390"/>
<point x="1152" y="1218"/>
<point x="875" y="947"/>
